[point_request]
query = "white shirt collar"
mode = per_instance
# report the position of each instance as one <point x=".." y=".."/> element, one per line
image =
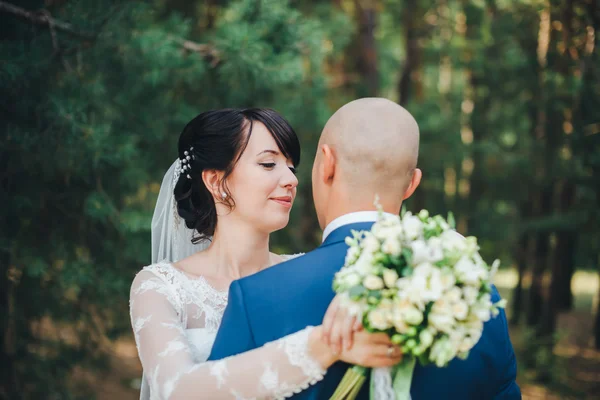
<point x="350" y="218"/>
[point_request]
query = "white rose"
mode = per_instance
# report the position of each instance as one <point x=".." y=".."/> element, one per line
<point x="364" y="264"/>
<point x="460" y="310"/>
<point x="412" y="288"/>
<point x="419" y="252"/>
<point x="390" y="276"/>
<point x="442" y="352"/>
<point x="413" y="227"/>
<point x="353" y="280"/>
<point x="391" y="246"/>
<point x="370" y="244"/>
<point x="434" y="286"/>
<point x="453" y="241"/>
<point x="468" y="272"/>
<point x="352" y="255"/>
<point x="447" y="278"/>
<point x="441" y="322"/>
<point x="470" y="294"/>
<point x="373" y="282"/>
<point x="399" y="323"/>
<point x="466" y="344"/>
<point x="473" y="324"/>
<point x="481" y="312"/>
<point x="436" y="250"/>
<point x="378" y="319"/>
<point x="453" y="295"/>
<point x="424" y="269"/>
<point x="413" y="316"/>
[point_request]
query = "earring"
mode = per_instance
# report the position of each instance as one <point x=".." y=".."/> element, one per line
<point x="223" y="195"/>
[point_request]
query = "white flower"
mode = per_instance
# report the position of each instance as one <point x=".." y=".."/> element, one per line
<point x="441" y="317"/>
<point x="482" y="312"/>
<point x="470" y="294"/>
<point x="425" y="252"/>
<point x="469" y="272"/>
<point x="370" y="244"/>
<point x="442" y="352"/>
<point x="453" y="295"/>
<point x="364" y="264"/>
<point x="436" y="249"/>
<point x="353" y="280"/>
<point x="442" y="321"/>
<point x="391" y="246"/>
<point x="378" y="319"/>
<point x="434" y="288"/>
<point x="447" y="279"/>
<point x="494" y="269"/>
<point x="390" y="276"/>
<point x="412" y="289"/>
<point x="424" y="269"/>
<point x="453" y="241"/>
<point x="426" y="338"/>
<point x="413" y="227"/>
<point x="466" y="344"/>
<point x="413" y="316"/>
<point x="352" y="255"/>
<point x="460" y="310"/>
<point x="373" y="282"/>
<point x="419" y="252"/>
<point x="474" y="326"/>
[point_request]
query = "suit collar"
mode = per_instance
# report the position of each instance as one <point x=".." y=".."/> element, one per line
<point x="340" y="234"/>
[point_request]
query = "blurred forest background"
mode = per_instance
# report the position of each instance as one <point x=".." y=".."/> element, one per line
<point x="94" y="94"/>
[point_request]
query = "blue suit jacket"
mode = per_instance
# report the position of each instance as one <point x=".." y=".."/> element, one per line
<point x="290" y="296"/>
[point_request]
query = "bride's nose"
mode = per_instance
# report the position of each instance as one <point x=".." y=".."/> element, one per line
<point x="289" y="180"/>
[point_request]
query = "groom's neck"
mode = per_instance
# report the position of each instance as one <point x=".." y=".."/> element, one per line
<point x="347" y="204"/>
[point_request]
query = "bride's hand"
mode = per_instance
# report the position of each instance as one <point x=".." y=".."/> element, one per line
<point x="343" y="332"/>
<point x="339" y="327"/>
<point x="371" y="350"/>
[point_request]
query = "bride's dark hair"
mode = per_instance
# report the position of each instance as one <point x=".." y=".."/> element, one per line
<point x="215" y="140"/>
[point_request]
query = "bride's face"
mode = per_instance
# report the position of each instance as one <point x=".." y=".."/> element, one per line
<point x="263" y="183"/>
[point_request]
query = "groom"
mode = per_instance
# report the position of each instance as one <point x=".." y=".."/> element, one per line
<point x="368" y="147"/>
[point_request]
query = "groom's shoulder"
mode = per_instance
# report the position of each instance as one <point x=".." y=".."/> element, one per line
<point x="320" y="262"/>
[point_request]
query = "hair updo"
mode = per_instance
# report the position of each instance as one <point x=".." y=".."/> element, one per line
<point x="218" y="138"/>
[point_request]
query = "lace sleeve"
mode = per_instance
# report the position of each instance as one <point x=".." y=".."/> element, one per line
<point x="277" y="370"/>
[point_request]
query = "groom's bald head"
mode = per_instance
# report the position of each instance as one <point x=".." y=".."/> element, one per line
<point x="374" y="145"/>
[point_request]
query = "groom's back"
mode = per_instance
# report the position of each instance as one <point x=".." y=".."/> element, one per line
<point x="291" y="296"/>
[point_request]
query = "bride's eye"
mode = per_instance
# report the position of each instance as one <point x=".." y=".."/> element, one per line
<point x="268" y="165"/>
<point x="293" y="169"/>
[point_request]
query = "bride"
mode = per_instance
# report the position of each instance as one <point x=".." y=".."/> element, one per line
<point x="233" y="184"/>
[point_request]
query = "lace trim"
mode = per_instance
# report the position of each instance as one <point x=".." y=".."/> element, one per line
<point x="382" y="384"/>
<point x="210" y="302"/>
<point x="295" y="347"/>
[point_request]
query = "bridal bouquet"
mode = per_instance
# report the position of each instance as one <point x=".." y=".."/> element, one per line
<point x="416" y="279"/>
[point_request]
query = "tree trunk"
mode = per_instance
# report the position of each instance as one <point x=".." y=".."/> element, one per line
<point x="542" y="246"/>
<point x="411" y="61"/>
<point x="522" y="259"/>
<point x="367" y="59"/>
<point x="8" y="383"/>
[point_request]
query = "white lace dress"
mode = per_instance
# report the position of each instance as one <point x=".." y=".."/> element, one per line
<point x="175" y="319"/>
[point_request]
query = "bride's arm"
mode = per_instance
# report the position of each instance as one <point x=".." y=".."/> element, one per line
<point x="276" y="370"/>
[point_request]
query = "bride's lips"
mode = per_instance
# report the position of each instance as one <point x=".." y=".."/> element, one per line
<point x="285" y="201"/>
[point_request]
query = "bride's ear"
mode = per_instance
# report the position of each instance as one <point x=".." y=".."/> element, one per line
<point x="213" y="181"/>
<point x="413" y="184"/>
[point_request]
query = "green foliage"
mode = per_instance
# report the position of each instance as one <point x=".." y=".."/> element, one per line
<point x="90" y="121"/>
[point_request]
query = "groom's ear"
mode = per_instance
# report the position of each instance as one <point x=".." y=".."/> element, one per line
<point x="328" y="164"/>
<point x="413" y="184"/>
